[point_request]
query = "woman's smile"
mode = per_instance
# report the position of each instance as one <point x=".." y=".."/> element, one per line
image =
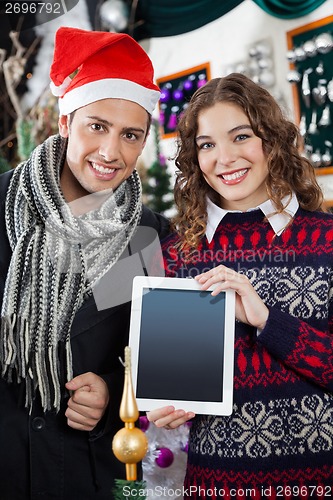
<point x="234" y="177"/>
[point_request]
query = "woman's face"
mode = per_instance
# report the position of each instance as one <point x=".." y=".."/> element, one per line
<point x="231" y="157"/>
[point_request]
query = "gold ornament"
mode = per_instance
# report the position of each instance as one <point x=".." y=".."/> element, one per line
<point x="130" y="443"/>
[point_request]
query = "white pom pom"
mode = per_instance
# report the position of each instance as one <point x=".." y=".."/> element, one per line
<point x="59" y="91"/>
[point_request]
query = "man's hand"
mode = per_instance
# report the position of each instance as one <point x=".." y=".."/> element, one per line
<point x="88" y="402"/>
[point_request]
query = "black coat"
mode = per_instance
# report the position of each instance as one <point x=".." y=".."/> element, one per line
<point x="41" y="457"/>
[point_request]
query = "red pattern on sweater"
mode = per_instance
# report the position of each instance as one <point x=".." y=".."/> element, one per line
<point x="280" y="434"/>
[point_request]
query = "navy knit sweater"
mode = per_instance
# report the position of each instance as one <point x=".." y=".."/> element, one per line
<point x="278" y="442"/>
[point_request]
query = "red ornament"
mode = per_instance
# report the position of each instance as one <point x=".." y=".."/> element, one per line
<point x="165" y="458"/>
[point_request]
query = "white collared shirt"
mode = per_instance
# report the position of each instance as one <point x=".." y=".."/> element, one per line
<point x="278" y="221"/>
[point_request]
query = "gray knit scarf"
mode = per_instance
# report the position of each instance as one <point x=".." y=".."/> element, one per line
<point x="56" y="259"/>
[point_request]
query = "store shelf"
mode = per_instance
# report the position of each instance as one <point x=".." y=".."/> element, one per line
<point x="324" y="171"/>
<point x="328" y="203"/>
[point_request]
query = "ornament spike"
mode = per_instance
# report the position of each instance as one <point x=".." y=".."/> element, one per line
<point x="129" y="444"/>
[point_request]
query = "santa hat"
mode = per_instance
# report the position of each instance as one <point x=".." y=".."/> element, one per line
<point x="107" y="64"/>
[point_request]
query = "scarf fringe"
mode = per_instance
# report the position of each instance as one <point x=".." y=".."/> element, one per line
<point x="42" y="369"/>
<point x="7" y="344"/>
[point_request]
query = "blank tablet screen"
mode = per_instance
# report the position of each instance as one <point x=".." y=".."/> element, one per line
<point x="181" y="345"/>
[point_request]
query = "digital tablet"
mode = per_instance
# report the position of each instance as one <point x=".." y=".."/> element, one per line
<point x="182" y="344"/>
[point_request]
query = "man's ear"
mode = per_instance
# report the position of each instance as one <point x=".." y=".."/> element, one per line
<point x="63" y="125"/>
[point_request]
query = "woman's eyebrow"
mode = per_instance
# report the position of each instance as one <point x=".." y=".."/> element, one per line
<point x="240" y="127"/>
<point x="231" y="131"/>
<point x="202" y="138"/>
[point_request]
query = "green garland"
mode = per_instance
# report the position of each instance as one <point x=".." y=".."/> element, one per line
<point x="158" y="190"/>
<point x="4" y="165"/>
<point x="129" y="490"/>
<point x="25" y="141"/>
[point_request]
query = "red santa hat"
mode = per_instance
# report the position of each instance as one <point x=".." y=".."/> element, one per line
<point x="107" y="64"/>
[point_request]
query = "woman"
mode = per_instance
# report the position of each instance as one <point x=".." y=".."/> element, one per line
<point x="250" y="218"/>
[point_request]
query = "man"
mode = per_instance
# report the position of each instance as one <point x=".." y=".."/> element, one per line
<point x="69" y="214"/>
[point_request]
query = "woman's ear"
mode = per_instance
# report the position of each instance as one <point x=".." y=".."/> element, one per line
<point x="63" y="125"/>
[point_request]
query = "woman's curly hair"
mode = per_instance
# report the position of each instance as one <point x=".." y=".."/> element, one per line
<point x="288" y="170"/>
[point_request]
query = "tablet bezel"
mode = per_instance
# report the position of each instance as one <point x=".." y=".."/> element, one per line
<point x="140" y="284"/>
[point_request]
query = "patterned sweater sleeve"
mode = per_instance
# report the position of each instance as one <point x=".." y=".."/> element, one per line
<point x="304" y="349"/>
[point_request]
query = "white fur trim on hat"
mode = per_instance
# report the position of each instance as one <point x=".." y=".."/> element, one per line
<point x="109" y="88"/>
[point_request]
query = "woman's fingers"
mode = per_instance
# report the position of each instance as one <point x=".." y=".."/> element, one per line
<point x="224" y="278"/>
<point x="168" y="417"/>
<point x="250" y="308"/>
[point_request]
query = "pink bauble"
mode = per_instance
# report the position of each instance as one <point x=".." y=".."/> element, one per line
<point x="143" y="423"/>
<point x="172" y="123"/>
<point x="165" y="458"/>
<point x="201" y="83"/>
